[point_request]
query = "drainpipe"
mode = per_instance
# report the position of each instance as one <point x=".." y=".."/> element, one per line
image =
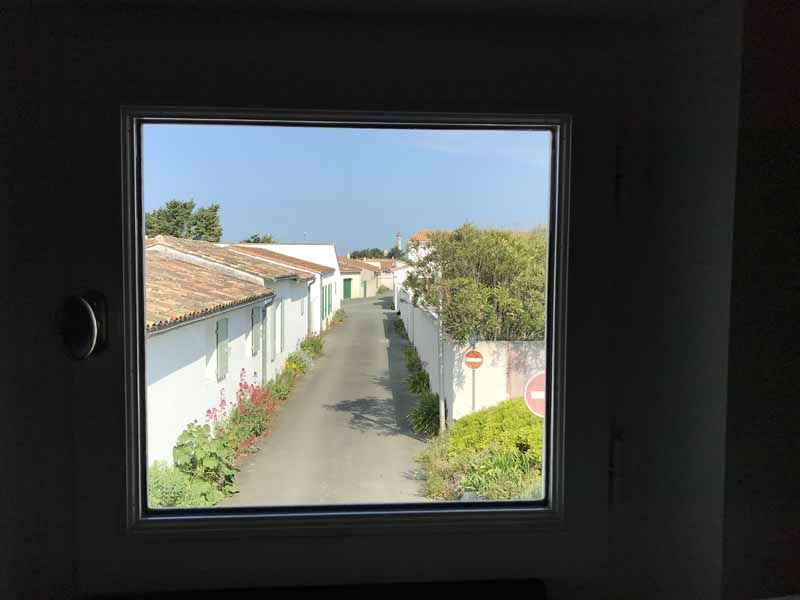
<point x="309" y="316"/>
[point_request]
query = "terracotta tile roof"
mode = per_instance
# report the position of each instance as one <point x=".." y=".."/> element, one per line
<point x="226" y="256"/>
<point x="283" y="258"/>
<point x="423" y="235"/>
<point x="177" y="291"/>
<point x="388" y="263"/>
<point x="351" y="265"/>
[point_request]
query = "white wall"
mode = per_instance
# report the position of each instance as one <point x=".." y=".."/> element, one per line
<point x="399" y="278"/>
<point x="292" y="295"/>
<point x="506" y="367"/>
<point x="181" y="378"/>
<point x="322" y="254"/>
<point x="355" y="286"/>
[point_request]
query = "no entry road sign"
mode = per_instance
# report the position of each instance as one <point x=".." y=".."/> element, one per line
<point x="473" y="359"/>
<point x="534" y="394"/>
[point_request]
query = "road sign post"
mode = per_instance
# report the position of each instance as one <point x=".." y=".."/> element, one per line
<point x="473" y="339"/>
<point x="473" y="359"/>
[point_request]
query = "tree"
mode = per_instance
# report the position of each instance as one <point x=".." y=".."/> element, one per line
<point x="179" y="218"/>
<point x="397" y="253"/>
<point x="368" y="253"/>
<point x="257" y="238"/>
<point x="489" y="281"/>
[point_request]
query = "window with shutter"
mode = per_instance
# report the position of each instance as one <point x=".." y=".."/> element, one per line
<point x="222" y="348"/>
<point x="283" y="328"/>
<point x="255" y="324"/>
<point x="274" y="342"/>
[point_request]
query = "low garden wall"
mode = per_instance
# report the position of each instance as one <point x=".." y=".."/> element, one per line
<point x="506" y="367"/>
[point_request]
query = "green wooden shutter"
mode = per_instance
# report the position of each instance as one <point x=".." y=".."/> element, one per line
<point x="273" y="335"/>
<point x="222" y="348"/>
<point x="255" y="324"/>
<point x="283" y="328"/>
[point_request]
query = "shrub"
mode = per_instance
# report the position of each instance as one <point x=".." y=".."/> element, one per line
<point x="312" y="345"/>
<point x="339" y="316"/>
<point x="424" y="418"/>
<point x="296" y="363"/>
<point x="495" y="452"/>
<point x="169" y="487"/>
<point x="413" y="362"/>
<point x="202" y="456"/>
<point x="419" y="382"/>
<point x="279" y="389"/>
<point x="400" y="329"/>
<point x="383" y="289"/>
<point x="248" y="419"/>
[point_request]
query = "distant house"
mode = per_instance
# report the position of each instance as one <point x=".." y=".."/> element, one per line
<point x="203" y="328"/>
<point x="321" y="291"/>
<point x="418" y="244"/>
<point x="387" y="267"/>
<point x="288" y="315"/>
<point x="359" y="279"/>
<point x="322" y="254"/>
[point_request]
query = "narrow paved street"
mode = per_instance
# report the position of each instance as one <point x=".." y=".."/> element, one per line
<point x="342" y="436"/>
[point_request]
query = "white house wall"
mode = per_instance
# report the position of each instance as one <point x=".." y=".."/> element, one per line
<point x="321" y="254"/>
<point x="181" y="378"/>
<point x="292" y="295"/>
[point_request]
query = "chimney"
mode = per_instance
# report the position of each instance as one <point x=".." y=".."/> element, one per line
<point x="399" y="245"/>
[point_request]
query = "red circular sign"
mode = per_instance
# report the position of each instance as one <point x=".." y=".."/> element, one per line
<point x="535" y="398"/>
<point x="473" y="359"/>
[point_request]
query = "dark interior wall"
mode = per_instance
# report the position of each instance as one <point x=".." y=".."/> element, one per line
<point x="80" y="69"/>
<point x="671" y="95"/>
<point x="762" y="487"/>
<point x="36" y="437"/>
<point x="677" y="149"/>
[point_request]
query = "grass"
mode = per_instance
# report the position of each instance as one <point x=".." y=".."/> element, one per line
<point x="495" y="452"/>
<point x="339" y="316"/>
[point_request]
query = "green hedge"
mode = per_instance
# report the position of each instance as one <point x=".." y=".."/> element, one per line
<point x="495" y="452"/>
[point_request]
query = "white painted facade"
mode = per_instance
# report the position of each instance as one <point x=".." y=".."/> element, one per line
<point x="181" y="373"/>
<point x="363" y="283"/>
<point x="321" y="254"/>
<point x="287" y="323"/>
<point x="316" y="315"/>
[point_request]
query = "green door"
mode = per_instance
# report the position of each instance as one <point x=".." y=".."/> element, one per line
<point x="347" y="283"/>
<point x="363" y="289"/>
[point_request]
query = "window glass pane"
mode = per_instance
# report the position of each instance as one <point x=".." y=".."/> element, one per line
<point x="418" y="373"/>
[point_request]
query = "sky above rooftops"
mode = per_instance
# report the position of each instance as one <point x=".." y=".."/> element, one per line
<point x="353" y="187"/>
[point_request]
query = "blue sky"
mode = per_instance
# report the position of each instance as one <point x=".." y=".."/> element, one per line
<point x="353" y="187"/>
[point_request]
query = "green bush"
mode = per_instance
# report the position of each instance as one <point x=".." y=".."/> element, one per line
<point x="400" y="329"/>
<point x="383" y="289"/>
<point x="313" y="345"/>
<point x="339" y="316"/>
<point x="413" y="362"/>
<point x="296" y="363"/>
<point x="202" y="456"/>
<point x="280" y="388"/>
<point x="495" y="452"/>
<point x="169" y="487"/>
<point x="419" y="382"/>
<point x="424" y="418"/>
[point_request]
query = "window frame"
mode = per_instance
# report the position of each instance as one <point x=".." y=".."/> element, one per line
<point x="452" y="517"/>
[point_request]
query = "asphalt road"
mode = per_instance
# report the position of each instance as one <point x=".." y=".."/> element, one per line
<point x="342" y="437"/>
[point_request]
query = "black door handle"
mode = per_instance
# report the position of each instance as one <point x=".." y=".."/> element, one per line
<point x="82" y="324"/>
